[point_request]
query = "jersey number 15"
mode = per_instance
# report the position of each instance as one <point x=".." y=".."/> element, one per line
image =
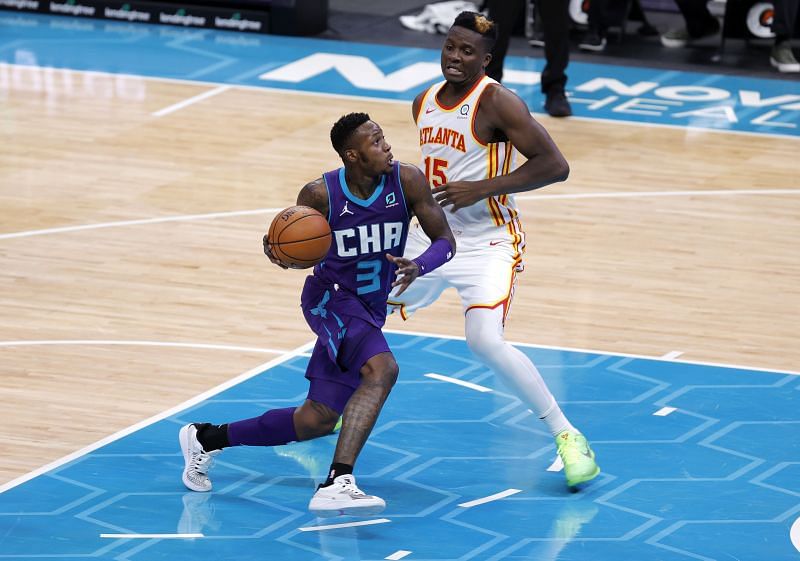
<point x="435" y="171"/>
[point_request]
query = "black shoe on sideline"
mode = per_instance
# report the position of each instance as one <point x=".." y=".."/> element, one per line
<point x="592" y="41"/>
<point x="556" y="104"/>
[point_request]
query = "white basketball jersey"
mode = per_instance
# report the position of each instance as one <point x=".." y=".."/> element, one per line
<point x="451" y="152"/>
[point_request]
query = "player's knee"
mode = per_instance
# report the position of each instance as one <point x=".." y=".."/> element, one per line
<point x="381" y="370"/>
<point x="314" y="419"/>
<point x="484" y="342"/>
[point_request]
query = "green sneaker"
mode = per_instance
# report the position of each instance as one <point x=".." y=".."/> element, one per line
<point x="338" y="426"/>
<point x="578" y="458"/>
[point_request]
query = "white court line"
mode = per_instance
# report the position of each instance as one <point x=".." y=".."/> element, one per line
<point x="671" y="355"/>
<point x="144" y="344"/>
<point x="151" y="536"/>
<point x="191" y="101"/>
<point x="154" y="419"/>
<point x="469" y="385"/>
<point x="557" y="465"/>
<point x="399" y="554"/>
<point x="191" y="217"/>
<point x="794" y="534"/>
<point x="344" y="525"/>
<point x="597" y="352"/>
<point x="490" y="498"/>
<point x="179" y="218"/>
<point x="664" y="411"/>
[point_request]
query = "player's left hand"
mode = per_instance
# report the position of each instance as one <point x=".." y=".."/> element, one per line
<point x="406" y="272"/>
<point x="460" y="194"/>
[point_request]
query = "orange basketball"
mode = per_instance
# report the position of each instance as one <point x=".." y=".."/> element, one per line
<point x="299" y="237"/>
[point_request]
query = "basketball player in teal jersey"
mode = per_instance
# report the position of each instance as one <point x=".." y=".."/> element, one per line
<point x="368" y="203"/>
<point x="470" y="129"/>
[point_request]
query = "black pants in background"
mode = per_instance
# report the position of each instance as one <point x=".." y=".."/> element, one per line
<point x="555" y="19"/>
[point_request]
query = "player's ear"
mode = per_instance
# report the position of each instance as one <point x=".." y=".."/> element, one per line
<point x="351" y="155"/>
<point x="486" y="60"/>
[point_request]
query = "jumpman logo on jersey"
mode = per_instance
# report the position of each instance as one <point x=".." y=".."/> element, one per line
<point x="346" y="210"/>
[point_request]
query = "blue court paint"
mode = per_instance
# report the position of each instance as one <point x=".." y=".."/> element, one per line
<point x="716" y="479"/>
<point x="36" y="45"/>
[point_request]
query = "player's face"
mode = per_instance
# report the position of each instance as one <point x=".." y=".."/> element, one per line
<point x="374" y="151"/>
<point x="464" y="55"/>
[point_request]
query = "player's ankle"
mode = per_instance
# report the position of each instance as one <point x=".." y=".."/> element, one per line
<point x="336" y="470"/>
<point x="213" y="437"/>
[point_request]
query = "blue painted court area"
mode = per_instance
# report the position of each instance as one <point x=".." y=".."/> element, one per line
<point x="31" y="46"/>
<point x="715" y="478"/>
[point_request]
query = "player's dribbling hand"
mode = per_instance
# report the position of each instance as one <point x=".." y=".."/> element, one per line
<point x="406" y="272"/>
<point x="268" y="253"/>
<point x="459" y="194"/>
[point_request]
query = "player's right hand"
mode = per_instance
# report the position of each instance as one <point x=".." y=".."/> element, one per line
<point x="268" y="253"/>
<point x="407" y="271"/>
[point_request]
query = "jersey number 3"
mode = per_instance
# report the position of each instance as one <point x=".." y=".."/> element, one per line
<point x="435" y="171"/>
<point x="369" y="276"/>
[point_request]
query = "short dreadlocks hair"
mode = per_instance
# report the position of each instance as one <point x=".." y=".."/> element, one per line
<point x="480" y="24"/>
<point x="344" y="128"/>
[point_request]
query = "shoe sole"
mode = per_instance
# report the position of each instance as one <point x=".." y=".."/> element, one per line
<point x="183" y="437"/>
<point x="784" y="67"/>
<point x="673" y="43"/>
<point x="585" y="478"/>
<point x="593" y="48"/>
<point x="366" y="510"/>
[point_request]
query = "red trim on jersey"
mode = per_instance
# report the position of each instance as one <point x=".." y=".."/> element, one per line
<point x="461" y="101"/>
<point x="422" y="104"/>
<point x="475" y="116"/>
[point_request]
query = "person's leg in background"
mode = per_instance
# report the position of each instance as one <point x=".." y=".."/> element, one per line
<point x="595" y="38"/>
<point x="555" y="17"/>
<point x="783" y="26"/>
<point x="505" y="14"/>
<point x="700" y="23"/>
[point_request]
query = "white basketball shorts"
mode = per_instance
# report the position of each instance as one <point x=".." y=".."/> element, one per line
<point x="483" y="271"/>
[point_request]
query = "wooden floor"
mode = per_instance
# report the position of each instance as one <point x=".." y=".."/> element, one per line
<point x="713" y="273"/>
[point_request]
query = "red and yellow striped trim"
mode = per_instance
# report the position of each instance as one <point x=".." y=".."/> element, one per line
<point x="505" y="301"/>
<point x="494" y="166"/>
<point x="400" y="307"/>
<point x="488" y="81"/>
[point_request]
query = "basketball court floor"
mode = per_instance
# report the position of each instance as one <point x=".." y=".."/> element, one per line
<point x="140" y="166"/>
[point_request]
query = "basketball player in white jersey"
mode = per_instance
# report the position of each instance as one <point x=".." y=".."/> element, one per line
<point x="470" y="127"/>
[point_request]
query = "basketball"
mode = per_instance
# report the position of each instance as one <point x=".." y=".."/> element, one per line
<point x="299" y="237"/>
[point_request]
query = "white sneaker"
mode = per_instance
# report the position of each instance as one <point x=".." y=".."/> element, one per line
<point x="343" y="497"/>
<point x="196" y="461"/>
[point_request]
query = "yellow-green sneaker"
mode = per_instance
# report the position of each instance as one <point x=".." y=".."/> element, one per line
<point x="338" y="426"/>
<point x="577" y="456"/>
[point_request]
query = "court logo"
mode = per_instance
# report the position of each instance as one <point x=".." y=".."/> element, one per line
<point x="391" y="200"/>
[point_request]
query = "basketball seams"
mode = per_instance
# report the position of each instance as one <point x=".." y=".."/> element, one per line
<point x="295" y="229"/>
<point x="285" y="248"/>
<point x="291" y="226"/>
